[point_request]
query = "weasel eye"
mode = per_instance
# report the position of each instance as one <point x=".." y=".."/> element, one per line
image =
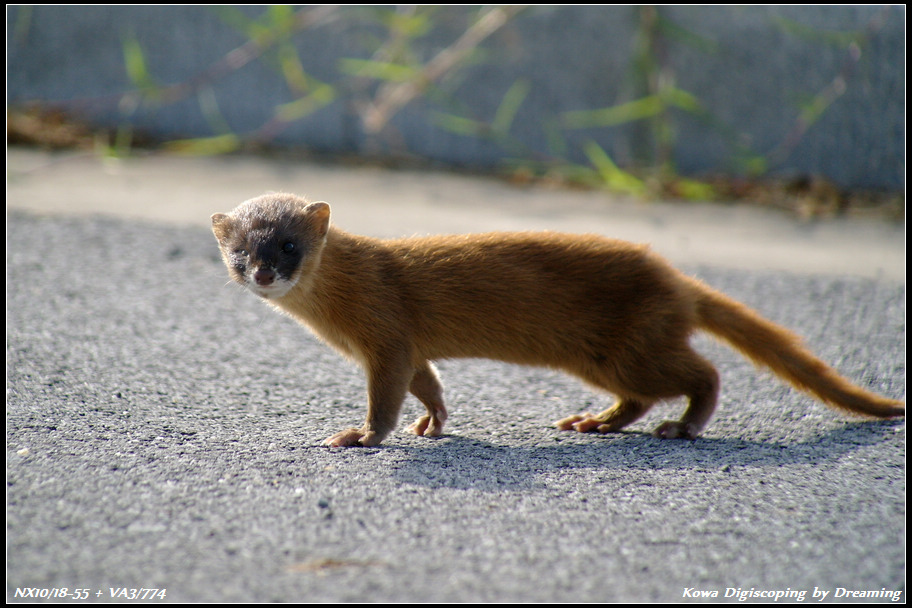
<point x="241" y="252"/>
<point x="288" y="247"/>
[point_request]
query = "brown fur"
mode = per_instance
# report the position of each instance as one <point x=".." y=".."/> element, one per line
<point x="610" y="312"/>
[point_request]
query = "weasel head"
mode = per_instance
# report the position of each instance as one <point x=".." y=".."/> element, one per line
<point x="270" y="242"/>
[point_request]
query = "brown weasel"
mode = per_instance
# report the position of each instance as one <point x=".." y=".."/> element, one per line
<point x="610" y="312"/>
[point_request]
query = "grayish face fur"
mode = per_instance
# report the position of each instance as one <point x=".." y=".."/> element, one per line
<point x="266" y="240"/>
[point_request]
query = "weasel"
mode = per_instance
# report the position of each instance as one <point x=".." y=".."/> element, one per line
<point x="610" y="312"/>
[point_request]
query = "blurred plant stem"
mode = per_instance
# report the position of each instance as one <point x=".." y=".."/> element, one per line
<point x="627" y="146"/>
<point x="393" y="96"/>
<point x="812" y="111"/>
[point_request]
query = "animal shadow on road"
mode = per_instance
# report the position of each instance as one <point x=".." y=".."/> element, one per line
<point x="458" y="462"/>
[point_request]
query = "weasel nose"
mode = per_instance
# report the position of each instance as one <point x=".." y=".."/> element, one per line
<point x="264" y="276"/>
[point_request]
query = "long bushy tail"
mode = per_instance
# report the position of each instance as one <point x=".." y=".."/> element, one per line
<point x="766" y="343"/>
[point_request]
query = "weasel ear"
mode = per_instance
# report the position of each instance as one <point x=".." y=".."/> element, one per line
<point x="319" y="214"/>
<point x="221" y="225"/>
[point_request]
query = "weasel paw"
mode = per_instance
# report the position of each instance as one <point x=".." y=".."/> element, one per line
<point x="353" y="437"/>
<point x="567" y="424"/>
<point x="426" y="426"/>
<point x="584" y="423"/>
<point x="671" y="429"/>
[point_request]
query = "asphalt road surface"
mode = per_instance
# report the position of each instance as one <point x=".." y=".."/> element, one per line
<point x="164" y="430"/>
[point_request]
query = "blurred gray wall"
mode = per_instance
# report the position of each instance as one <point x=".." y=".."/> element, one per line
<point x="752" y="69"/>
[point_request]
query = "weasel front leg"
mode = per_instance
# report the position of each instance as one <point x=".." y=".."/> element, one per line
<point x="387" y="383"/>
<point x="426" y="386"/>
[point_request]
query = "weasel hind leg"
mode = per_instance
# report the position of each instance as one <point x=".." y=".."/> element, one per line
<point x="616" y="417"/>
<point x="699" y="381"/>
<point x="683" y="373"/>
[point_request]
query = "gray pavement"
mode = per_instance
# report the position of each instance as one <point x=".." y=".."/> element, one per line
<point x="163" y="427"/>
